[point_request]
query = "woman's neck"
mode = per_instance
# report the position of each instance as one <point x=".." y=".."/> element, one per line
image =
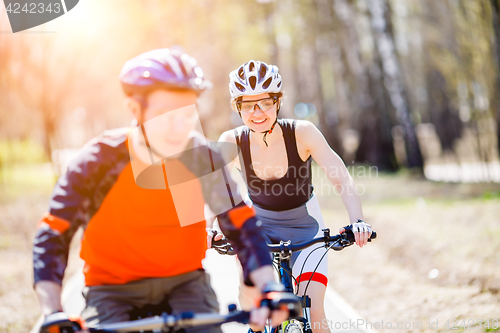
<point x="271" y="138"/>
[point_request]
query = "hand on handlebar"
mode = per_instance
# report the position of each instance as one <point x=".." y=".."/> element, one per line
<point x="213" y="235"/>
<point x="275" y="304"/>
<point x="60" y="322"/>
<point x="259" y="316"/>
<point x="222" y="245"/>
<point x="362" y="232"/>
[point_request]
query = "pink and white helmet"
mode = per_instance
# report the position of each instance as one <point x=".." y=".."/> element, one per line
<point x="254" y="78"/>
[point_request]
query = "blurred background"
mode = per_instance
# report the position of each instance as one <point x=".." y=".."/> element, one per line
<point x="406" y="89"/>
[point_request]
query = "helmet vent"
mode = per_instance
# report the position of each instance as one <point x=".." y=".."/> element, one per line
<point x="254" y="78"/>
<point x="241" y="73"/>
<point x="262" y="72"/>
<point x="240" y="87"/>
<point x="182" y="67"/>
<point x="253" y="81"/>
<point x="266" y="84"/>
<point x="168" y="68"/>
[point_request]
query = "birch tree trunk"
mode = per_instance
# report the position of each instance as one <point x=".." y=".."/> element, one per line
<point x="393" y="80"/>
<point x="495" y="9"/>
<point x="321" y="33"/>
<point x="370" y="113"/>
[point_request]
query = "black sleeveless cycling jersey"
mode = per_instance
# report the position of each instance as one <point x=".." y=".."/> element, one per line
<point x="293" y="189"/>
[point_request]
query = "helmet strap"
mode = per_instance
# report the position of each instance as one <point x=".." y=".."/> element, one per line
<point x="269" y="131"/>
<point x="143" y="105"/>
<point x="139" y="122"/>
<point x="147" y="145"/>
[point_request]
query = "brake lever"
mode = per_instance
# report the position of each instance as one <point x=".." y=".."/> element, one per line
<point x="341" y="243"/>
<point x="346" y="241"/>
<point x="337" y="246"/>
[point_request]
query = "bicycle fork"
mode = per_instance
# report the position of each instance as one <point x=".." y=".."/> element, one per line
<point x="299" y="325"/>
<point x="306" y="308"/>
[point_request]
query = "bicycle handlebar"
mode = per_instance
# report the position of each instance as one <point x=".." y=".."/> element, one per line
<point x="274" y="301"/>
<point x="183" y="320"/>
<point x="344" y="240"/>
<point x="165" y="322"/>
<point x="337" y="242"/>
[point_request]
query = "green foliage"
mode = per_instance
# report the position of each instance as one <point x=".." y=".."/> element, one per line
<point x="20" y="179"/>
<point x="25" y="151"/>
<point x="491" y="195"/>
<point x="23" y="168"/>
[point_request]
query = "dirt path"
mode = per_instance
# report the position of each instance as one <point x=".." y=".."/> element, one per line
<point x="423" y="227"/>
<point x="436" y="259"/>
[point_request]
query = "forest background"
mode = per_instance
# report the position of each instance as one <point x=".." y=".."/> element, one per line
<point x="408" y="87"/>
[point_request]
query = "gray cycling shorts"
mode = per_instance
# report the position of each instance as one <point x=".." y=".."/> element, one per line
<point x="189" y="292"/>
<point x="299" y="225"/>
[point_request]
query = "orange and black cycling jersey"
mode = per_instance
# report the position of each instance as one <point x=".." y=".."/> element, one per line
<point x="133" y="231"/>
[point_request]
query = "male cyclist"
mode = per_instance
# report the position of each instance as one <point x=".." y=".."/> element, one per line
<point x="120" y="189"/>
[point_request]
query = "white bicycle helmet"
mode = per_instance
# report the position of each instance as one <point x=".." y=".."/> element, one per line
<point x="254" y="78"/>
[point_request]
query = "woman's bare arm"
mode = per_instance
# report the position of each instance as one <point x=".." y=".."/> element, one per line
<point x="229" y="152"/>
<point x="310" y="139"/>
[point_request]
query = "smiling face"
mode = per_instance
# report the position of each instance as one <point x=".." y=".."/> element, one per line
<point x="259" y="120"/>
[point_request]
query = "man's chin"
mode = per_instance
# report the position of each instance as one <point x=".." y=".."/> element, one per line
<point x="174" y="150"/>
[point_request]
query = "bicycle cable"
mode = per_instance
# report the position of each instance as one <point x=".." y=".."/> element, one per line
<point x="275" y="265"/>
<point x="301" y="270"/>
<point x="319" y="262"/>
<point x="289" y="272"/>
<point x="304" y="264"/>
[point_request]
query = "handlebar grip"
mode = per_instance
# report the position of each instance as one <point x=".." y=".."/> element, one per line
<point x="277" y="300"/>
<point x="60" y="322"/>
<point x="220" y="242"/>
<point x="350" y="234"/>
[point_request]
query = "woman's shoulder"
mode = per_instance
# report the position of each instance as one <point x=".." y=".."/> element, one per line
<point x="298" y="122"/>
<point x="307" y="132"/>
<point x="300" y="126"/>
<point x="229" y="136"/>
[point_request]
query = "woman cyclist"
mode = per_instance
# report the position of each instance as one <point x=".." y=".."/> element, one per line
<point x="275" y="160"/>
